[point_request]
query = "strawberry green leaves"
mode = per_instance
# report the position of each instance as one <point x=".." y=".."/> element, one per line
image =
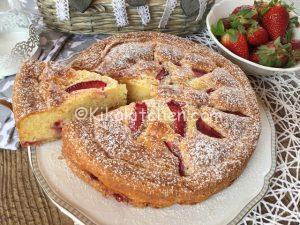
<point x="240" y="19"/>
<point x="218" y="29"/>
<point x="233" y="34"/>
<point x="293" y="23"/>
<point x="243" y="17"/>
<point x="275" y="54"/>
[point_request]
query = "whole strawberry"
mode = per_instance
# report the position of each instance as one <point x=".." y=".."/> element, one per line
<point x="226" y="22"/>
<point x="243" y="17"/>
<point x="232" y="39"/>
<point x="257" y="36"/>
<point x="295" y="44"/>
<point x="296" y="49"/>
<point x="273" y="54"/>
<point x="275" y="19"/>
<point x="254" y="56"/>
<point x="236" y="42"/>
<point x="261" y="6"/>
<point x="247" y="9"/>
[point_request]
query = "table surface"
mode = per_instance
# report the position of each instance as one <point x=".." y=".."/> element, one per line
<point x="22" y="201"/>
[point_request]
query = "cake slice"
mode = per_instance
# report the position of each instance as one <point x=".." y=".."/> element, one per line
<point x="46" y="95"/>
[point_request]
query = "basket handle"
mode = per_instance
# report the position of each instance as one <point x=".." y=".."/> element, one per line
<point x="99" y="7"/>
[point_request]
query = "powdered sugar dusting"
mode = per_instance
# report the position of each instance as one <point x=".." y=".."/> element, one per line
<point x="208" y="156"/>
<point x="126" y="55"/>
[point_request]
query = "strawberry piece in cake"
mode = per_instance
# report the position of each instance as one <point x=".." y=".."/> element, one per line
<point x="162" y="74"/>
<point x="207" y="130"/>
<point x="235" y="113"/>
<point x="179" y="123"/>
<point x="140" y="113"/>
<point x="198" y="72"/>
<point x="176" y="152"/>
<point x="57" y="126"/>
<point x="87" y="85"/>
<point x="210" y="90"/>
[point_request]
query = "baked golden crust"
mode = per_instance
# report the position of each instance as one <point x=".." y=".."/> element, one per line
<point x="23" y="102"/>
<point x="140" y="164"/>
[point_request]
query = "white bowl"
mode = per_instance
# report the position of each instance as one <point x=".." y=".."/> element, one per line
<point x="223" y="9"/>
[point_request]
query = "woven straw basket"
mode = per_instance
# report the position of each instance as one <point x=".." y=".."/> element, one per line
<point x="99" y="18"/>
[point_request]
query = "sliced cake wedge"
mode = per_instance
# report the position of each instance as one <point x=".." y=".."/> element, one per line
<point x="47" y="95"/>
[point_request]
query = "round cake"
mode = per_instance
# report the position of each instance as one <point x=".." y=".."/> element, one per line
<point x="191" y="124"/>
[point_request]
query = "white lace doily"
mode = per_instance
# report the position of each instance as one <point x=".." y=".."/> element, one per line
<point x="11" y="20"/>
<point x="18" y="40"/>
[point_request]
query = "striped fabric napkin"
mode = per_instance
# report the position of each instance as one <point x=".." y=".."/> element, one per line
<point x="8" y="134"/>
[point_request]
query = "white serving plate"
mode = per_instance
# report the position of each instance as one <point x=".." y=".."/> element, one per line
<point x="223" y="9"/>
<point x="87" y="206"/>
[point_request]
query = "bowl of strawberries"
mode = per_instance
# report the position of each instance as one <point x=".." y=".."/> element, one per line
<point x="262" y="37"/>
